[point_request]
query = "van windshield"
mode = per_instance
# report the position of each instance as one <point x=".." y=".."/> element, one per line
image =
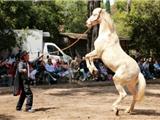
<point x="53" y="50"/>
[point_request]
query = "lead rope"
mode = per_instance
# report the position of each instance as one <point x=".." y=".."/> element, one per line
<point x="70" y="71"/>
<point x="73" y="42"/>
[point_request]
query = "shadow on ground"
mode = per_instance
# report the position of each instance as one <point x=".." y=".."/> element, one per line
<point x="149" y="112"/>
<point x="44" y="109"/>
<point x="6" y="117"/>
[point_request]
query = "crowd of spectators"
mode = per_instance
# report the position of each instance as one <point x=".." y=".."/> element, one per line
<point x="150" y="67"/>
<point x="51" y="72"/>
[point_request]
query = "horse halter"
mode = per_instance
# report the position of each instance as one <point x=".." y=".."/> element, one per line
<point x="93" y="18"/>
<point x="99" y="14"/>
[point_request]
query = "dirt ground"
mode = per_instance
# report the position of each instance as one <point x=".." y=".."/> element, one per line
<point x="63" y="102"/>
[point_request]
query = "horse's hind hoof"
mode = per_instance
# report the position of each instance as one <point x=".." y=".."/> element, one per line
<point x="127" y="111"/>
<point x="117" y="112"/>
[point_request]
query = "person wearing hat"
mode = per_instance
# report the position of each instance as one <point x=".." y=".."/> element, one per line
<point x="25" y="91"/>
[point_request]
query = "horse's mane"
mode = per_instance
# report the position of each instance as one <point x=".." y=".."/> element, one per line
<point x="106" y="16"/>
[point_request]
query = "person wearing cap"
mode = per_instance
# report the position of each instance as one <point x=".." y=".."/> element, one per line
<point x="25" y="91"/>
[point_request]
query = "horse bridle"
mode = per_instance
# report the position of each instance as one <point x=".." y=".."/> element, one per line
<point x="99" y="15"/>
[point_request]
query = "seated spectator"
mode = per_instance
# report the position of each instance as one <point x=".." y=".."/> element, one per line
<point x="36" y="68"/>
<point x="64" y="69"/>
<point x="103" y="71"/>
<point x="3" y="67"/>
<point x="4" y="70"/>
<point x="140" y="63"/>
<point x="49" y="66"/>
<point x="157" y="65"/>
<point x="10" y="59"/>
<point x="75" y="63"/>
<point x="147" y="73"/>
<point x="157" y="68"/>
<point x="83" y="69"/>
<point x="51" y="72"/>
<point x="75" y="67"/>
<point x="40" y="67"/>
<point x="151" y="67"/>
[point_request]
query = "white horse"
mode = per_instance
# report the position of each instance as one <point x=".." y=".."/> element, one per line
<point x="108" y="49"/>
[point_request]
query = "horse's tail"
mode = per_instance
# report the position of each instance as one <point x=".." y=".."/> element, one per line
<point x="141" y="87"/>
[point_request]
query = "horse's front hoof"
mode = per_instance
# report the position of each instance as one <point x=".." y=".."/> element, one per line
<point x="117" y="112"/>
<point x="95" y="72"/>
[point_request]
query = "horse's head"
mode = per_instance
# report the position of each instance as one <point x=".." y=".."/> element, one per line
<point x="95" y="18"/>
<point x="99" y="15"/>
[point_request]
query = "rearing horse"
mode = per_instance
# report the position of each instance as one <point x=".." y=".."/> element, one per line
<point x="108" y="49"/>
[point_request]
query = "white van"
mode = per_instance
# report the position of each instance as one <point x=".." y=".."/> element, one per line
<point x="33" y="43"/>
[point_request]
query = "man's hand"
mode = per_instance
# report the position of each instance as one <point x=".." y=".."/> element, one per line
<point x="24" y="70"/>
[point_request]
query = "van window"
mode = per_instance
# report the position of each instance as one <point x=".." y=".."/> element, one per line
<point x="53" y="50"/>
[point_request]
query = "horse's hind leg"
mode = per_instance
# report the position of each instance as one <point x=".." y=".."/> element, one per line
<point x="122" y="95"/>
<point x="132" y="90"/>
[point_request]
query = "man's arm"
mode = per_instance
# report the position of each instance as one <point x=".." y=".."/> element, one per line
<point x="20" y="68"/>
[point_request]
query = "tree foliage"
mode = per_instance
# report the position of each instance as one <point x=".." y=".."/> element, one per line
<point x="31" y="15"/>
<point x="120" y="19"/>
<point x="145" y="21"/>
<point x="75" y="15"/>
<point x="7" y="36"/>
<point x="47" y="17"/>
<point x="141" y="24"/>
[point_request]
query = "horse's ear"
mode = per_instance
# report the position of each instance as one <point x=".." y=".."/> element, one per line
<point x="104" y="10"/>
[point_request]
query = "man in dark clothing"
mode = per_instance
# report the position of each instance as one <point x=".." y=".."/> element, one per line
<point x="25" y="91"/>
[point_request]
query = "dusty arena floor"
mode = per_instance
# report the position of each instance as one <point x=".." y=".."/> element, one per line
<point x="81" y="103"/>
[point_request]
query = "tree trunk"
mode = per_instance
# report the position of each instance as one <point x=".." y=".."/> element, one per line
<point x="93" y="33"/>
<point x="129" y="5"/>
<point x="107" y="5"/>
